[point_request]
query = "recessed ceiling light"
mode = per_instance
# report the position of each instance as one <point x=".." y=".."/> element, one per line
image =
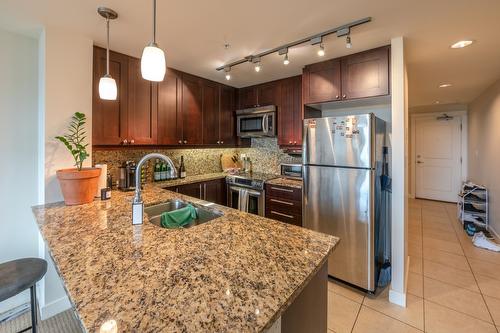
<point x="462" y="44"/>
<point x="445" y="85"/>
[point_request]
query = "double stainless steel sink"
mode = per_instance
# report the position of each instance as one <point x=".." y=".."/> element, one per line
<point x="204" y="215"/>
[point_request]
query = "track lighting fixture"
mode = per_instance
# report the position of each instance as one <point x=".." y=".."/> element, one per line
<point x="107" y="85"/>
<point x="317" y="39"/>
<point x="258" y="66"/>
<point x="153" y="66"/>
<point x="228" y="75"/>
<point x="286" y="61"/>
<point x="321" y="51"/>
<point x="348" y="43"/>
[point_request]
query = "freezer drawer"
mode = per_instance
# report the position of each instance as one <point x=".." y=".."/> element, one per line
<point x="339" y="202"/>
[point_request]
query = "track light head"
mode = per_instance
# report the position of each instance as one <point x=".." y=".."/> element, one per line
<point x="321" y="51"/>
<point x="286" y="61"/>
<point x="227" y="70"/>
<point x="258" y="66"/>
<point x="348" y="43"/>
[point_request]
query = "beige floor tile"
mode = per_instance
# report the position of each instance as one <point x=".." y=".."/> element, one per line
<point x="440" y="319"/>
<point x="416" y="264"/>
<point x="488" y="285"/>
<point x="445" y="236"/>
<point x="437" y="227"/>
<point x="371" y="321"/>
<point x="450" y="275"/>
<point x="416" y="284"/>
<point x="342" y="313"/>
<point x="412" y="315"/>
<point x="494" y="307"/>
<point x="440" y="213"/>
<point x="452" y="247"/>
<point x="456" y="298"/>
<point x="485" y="268"/>
<point x="346" y="291"/>
<point x="446" y="258"/>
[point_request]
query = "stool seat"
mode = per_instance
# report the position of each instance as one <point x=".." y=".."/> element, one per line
<point x="19" y="275"/>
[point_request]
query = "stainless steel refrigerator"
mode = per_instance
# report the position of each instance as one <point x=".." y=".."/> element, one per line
<point x="342" y="159"/>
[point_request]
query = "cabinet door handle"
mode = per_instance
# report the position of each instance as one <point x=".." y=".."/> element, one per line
<point x="289" y="142"/>
<point x="222" y="142"/>
<point x="295" y="142"/>
<point x="281" y="202"/>
<point x="180" y="141"/>
<point x="281" y="214"/>
<point x="337" y="96"/>
<point x="204" y="191"/>
<point x="132" y="141"/>
<point x="185" y="141"/>
<point x="281" y="189"/>
<point x="344" y="96"/>
<point x="125" y="142"/>
<point x="218" y="142"/>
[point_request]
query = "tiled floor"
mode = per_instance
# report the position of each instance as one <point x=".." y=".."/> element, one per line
<point x="452" y="285"/>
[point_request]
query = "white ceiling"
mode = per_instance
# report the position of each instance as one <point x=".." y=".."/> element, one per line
<point x="193" y="34"/>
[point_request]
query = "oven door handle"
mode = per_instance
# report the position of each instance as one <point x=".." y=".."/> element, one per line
<point x="250" y="191"/>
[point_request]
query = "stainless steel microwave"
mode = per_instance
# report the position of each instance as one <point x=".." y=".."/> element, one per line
<point x="256" y="122"/>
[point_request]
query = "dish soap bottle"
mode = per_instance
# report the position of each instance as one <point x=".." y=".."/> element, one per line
<point x="182" y="169"/>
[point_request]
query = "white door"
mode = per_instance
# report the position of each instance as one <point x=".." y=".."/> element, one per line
<point x="438" y="158"/>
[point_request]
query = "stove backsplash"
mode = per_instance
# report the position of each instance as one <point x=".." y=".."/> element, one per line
<point x="264" y="153"/>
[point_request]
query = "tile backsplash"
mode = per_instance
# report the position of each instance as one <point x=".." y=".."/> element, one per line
<point x="264" y="153"/>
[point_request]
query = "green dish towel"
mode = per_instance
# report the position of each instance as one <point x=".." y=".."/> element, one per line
<point x="178" y="218"/>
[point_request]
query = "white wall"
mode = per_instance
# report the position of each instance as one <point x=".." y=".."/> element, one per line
<point x="399" y="142"/>
<point x="65" y="59"/>
<point x="18" y="148"/>
<point x="484" y="140"/>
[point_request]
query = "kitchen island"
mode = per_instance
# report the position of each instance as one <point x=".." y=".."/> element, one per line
<point x="237" y="273"/>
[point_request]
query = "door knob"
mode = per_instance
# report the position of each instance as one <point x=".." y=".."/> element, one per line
<point x="419" y="162"/>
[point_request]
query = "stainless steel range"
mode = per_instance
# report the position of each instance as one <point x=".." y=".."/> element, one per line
<point x="245" y="191"/>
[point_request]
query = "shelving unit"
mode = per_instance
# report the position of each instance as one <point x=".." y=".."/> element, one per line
<point x="473" y="204"/>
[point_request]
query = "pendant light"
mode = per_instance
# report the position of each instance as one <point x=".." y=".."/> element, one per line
<point x="107" y="85"/>
<point x="153" y="66"/>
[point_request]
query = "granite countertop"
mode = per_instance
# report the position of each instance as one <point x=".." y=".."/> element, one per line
<point x="236" y="273"/>
<point x="191" y="179"/>
<point x="282" y="181"/>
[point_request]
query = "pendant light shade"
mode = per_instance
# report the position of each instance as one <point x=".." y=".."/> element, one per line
<point x="153" y="64"/>
<point x="107" y="88"/>
<point x="107" y="85"/>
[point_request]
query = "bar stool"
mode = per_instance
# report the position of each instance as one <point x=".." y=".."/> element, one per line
<point x="19" y="275"/>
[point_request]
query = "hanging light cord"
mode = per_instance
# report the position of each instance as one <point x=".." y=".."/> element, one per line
<point x="154" y="22"/>
<point x="107" y="46"/>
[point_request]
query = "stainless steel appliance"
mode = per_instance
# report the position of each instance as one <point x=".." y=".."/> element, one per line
<point x="256" y="122"/>
<point x="293" y="171"/>
<point x="245" y="192"/>
<point x="127" y="176"/>
<point x="342" y="168"/>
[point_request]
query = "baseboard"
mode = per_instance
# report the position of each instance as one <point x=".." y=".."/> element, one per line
<point x="397" y="298"/>
<point x="55" y="307"/>
<point x="14" y="302"/>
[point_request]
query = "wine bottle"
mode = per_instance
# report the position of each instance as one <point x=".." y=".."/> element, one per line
<point x="182" y="169"/>
<point x="157" y="171"/>
<point x="163" y="171"/>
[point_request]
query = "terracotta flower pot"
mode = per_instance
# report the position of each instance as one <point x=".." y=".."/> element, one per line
<point x="78" y="187"/>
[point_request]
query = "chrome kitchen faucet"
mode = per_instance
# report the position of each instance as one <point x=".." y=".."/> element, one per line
<point x="138" y="204"/>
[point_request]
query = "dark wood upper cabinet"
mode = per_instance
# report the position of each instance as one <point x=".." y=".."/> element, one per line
<point x="286" y="113"/>
<point x="269" y="93"/>
<point x="227" y="119"/>
<point x="110" y="118"/>
<point x="211" y="114"/>
<point x="169" y="129"/>
<point x="366" y="74"/>
<point x="142" y="112"/>
<point x="321" y="82"/>
<point x="298" y="116"/>
<point x="192" y="107"/>
<point x="248" y="97"/>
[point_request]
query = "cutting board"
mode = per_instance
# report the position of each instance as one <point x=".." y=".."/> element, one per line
<point x="226" y="161"/>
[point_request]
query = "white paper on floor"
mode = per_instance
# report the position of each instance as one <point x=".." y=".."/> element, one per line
<point x="481" y="241"/>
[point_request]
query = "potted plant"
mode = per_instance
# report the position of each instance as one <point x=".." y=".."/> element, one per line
<point x="79" y="184"/>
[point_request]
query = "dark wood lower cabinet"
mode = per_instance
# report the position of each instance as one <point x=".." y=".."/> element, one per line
<point x="284" y="204"/>
<point x="213" y="190"/>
